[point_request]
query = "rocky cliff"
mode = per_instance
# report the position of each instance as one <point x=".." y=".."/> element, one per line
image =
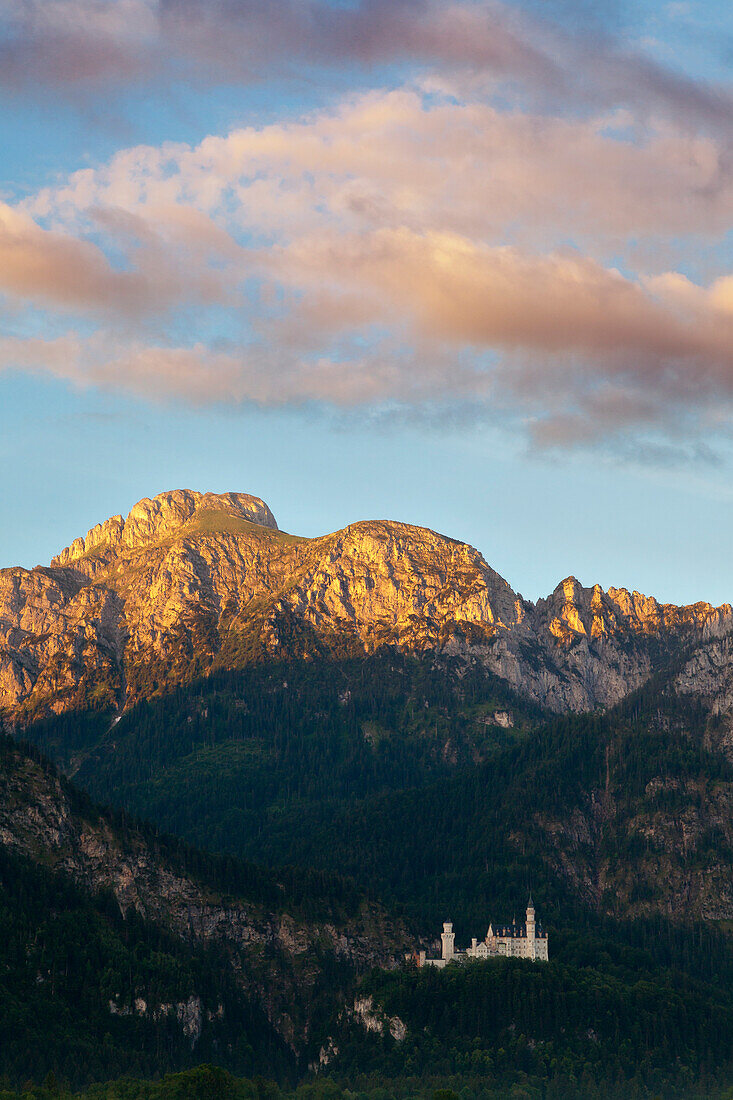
<point x="190" y="581"/>
<point x="151" y="520"/>
<point x="275" y="953"/>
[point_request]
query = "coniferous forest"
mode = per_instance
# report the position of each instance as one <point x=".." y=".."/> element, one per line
<point x="389" y="781"/>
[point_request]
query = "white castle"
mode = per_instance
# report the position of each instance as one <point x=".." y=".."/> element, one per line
<point x="517" y="941"/>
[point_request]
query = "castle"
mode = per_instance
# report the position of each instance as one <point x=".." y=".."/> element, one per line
<point x="517" y="941"/>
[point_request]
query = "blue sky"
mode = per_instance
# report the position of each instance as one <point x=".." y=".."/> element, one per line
<point x="462" y="264"/>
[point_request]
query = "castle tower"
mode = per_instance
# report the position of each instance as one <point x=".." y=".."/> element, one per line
<point x="531" y="929"/>
<point x="448" y="938"/>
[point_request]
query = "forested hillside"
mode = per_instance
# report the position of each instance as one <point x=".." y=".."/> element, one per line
<point x="87" y="993"/>
<point x="124" y="951"/>
<point x="429" y="784"/>
<point x="212" y="761"/>
<point x="437" y="790"/>
<point x="615" y="1025"/>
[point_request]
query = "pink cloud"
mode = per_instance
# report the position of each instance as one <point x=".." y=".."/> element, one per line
<point x="449" y="289"/>
<point x="429" y="230"/>
<point x="576" y="350"/>
<point x="71" y="274"/>
<point x="71" y="44"/>
<point x="403" y="158"/>
<point x="62" y="270"/>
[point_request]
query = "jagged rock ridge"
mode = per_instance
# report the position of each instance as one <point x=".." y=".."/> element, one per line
<point x="191" y="581"/>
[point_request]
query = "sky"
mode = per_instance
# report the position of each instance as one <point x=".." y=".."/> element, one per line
<point x="462" y="263"/>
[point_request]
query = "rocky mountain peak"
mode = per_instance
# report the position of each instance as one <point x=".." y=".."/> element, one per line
<point x="190" y="582"/>
<point x="572" y="610"/>
<point x="152" y="519"/>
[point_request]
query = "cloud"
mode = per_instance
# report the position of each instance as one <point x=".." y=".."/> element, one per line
<point x="71" y="43"/>
<point x="410" y="157"/>
<point x="418" y="249"/>
<point x="576" y="351"/>
<point x="61" y="270"/>
<point x="555" y="52"/>
<point x="86" y="42"/>
<point x="478" y="35"/>
<point x="452" y="289"/>
<point x="66" y="273"/>
<point x="199" y="375"/>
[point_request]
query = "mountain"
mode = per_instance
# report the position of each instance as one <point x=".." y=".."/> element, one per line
<point x="122" y="950"/>
<point x="377" y="704"/>
<point x="190" y="583"/>
<point x="304" y="700"/>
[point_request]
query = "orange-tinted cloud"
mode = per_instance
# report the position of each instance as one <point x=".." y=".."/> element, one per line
<point x="65" y="272"/>
<point x="408" y="247"/>
<point x="62" y="270"/>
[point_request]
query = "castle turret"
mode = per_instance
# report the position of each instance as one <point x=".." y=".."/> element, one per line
<point x="448" y="938"/>
<point x="530" y="948"/>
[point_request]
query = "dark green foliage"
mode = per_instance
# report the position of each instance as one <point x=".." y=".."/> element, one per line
<point x="471" y="843"/>
<point x="223" y="761"/>
<point x="569" y="1079"/>
<point x="389" y="771"/>
<point x="304" y="892"/>
<point x="65" y="955"/>
<point x="205" y="1082"/>
<point x="507" y="1020"/>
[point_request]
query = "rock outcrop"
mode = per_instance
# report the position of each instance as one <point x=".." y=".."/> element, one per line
<point x="190" y="581"/>
<point x="152" y="520"/>
<point x="676" y="835"/>
<point x="274" y="951"/>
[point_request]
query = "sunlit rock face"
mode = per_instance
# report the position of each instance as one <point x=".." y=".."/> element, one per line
<point x="605" y="644"/>
<point x="404" y="583"/>
<point x="151" y="520"/>
<point x="193" y="581"/>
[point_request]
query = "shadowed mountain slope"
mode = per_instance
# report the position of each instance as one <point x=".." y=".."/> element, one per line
<point x="111" y="927"/>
